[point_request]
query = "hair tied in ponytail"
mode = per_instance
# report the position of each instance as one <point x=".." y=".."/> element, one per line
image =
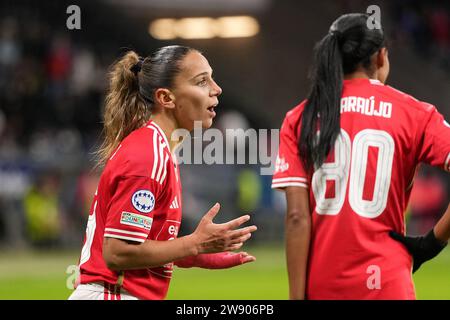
<point x="137" y="67"/>
<point x="336" y="33"/>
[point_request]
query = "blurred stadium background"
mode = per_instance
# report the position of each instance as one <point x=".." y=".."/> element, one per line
<point x="52" y="83"/>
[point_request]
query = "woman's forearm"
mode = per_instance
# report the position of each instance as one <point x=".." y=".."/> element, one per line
<point x="298" y="232"/>
<point x="208" y="237"/>
<point x="123" y="255"/>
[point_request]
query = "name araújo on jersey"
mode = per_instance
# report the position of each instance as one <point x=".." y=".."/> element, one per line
<point x="366" y="106"/>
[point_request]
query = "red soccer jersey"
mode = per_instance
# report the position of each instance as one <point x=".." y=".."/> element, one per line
<point x="361" y="191"/>
<point x="138" y="198"/>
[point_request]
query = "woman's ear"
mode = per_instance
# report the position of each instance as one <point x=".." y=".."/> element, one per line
<point x="382" y="65"/>
<point x="165" y="98"/>
<point x="382" y="58"/>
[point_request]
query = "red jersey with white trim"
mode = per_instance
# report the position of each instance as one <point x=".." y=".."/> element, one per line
<point x="138" y="198"/>
<point x="361" y="191"/>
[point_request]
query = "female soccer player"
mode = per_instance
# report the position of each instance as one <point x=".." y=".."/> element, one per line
<point x="131" y="239"/>
<point x="346" y="162"/>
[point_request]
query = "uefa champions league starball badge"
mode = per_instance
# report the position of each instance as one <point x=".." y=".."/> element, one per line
<point x="143" y="201"/>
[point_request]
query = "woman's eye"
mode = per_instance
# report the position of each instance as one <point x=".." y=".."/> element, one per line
<point x="202" y="82"/>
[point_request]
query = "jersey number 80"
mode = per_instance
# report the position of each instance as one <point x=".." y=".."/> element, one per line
<point x="356" y="156"/>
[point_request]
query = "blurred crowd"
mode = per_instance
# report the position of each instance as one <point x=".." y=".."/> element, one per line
<point x="50" y="91"/>
<point x="426" y="24"/>
<point x="52" y="85"/>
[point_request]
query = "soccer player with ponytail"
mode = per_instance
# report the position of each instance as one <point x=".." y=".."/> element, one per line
<point x="131" y="241"/>
<point x="346" y="161"/>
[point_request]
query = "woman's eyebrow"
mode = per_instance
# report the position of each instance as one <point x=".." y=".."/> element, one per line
<point x="201" y="74"/>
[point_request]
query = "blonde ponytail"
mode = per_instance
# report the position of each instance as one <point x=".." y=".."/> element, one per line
<point x="125" y="109"/>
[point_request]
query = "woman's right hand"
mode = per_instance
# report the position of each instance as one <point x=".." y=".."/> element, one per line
<point x="210" y="237"/>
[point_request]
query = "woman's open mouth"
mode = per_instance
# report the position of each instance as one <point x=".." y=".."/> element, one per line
<point x="211" y="110"/>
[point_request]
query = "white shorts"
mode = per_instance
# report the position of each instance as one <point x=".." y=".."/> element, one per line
<point x="96" y="291"/>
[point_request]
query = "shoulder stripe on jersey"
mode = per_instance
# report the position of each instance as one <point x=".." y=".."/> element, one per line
<point x="291" y="179"/>
<point x="139" y="234"/>
<point x="161" y="161"/>
<point x="157" y="128"/>
<point x="159" y="169"/>
<point x="289" y="184"/>
<point x="155" y="154"/>
<point x="95" y="204"/>
<point x="163" y="177"/>
<point x="109" y="235"/>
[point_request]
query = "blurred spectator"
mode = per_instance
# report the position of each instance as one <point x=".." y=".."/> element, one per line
<point x="14" y="182"/>
<point x="440" y="29"/>
<point x="83" y="72"/>
<point x="427" y="202"/>
<point x="2" y="122"/>
<point x="86" y="188"/>
<point x="440" y="24"/>
<point x="9" y="47"/>
<point x="249" y="190"/>
<point x="42" y="211"/>
<point x="58" y="64"/>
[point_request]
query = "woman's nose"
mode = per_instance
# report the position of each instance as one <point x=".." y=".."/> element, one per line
<point x="217" y="91"/>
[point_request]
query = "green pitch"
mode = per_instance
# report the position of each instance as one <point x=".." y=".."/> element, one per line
<point x="43" y="276"/>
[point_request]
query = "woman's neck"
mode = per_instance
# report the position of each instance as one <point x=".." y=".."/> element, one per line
<point x="168" y="126"/>
<point x="357" y="75"/>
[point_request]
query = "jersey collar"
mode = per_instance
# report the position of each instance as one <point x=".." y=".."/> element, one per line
<point x="363" y="81"/>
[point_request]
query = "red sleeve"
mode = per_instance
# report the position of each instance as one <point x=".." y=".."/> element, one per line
<point x="434" y="145"/>
<point x="289" y="170"/>
<point x="130" y="213"/>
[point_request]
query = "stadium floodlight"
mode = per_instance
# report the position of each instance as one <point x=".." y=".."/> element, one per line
<point x="195" y="28"/>
<point x="204" y="28"/>
<point x="162" y="29"/>
<point x="236" y="27"/>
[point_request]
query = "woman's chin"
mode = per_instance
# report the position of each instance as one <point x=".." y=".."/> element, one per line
<point x="206" y="124"/>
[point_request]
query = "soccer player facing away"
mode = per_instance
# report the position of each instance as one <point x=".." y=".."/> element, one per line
<point x="131" y="241"/>
<point x="346" y="161"/>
